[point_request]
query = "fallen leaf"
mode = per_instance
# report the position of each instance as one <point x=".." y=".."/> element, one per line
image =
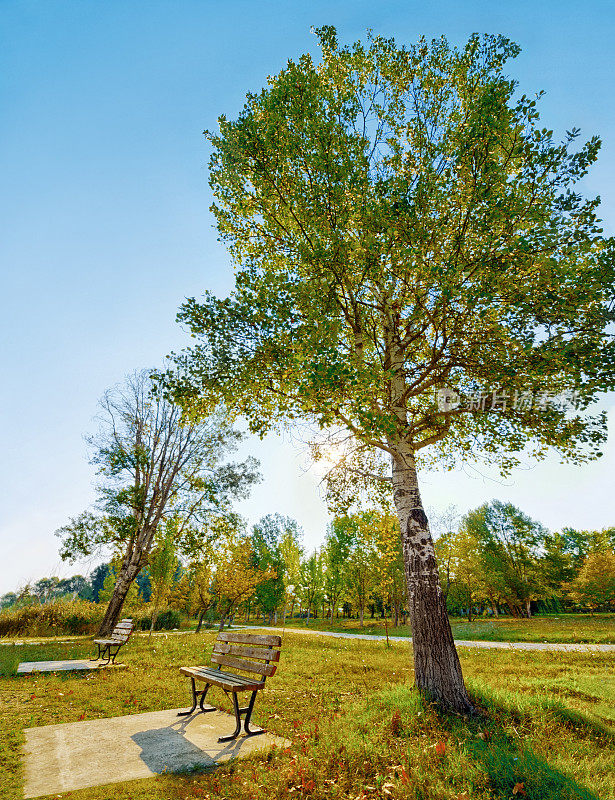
<point x="519" y="788"/>
<point x="404" y="775"/>
<point x="440" y="749"/>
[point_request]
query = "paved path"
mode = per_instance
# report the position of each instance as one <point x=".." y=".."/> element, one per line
<point x="64" y="666"/>
<point x="566" y="646"/>
<point x="75" y="755"/>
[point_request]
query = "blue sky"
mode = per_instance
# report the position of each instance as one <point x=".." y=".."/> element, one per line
<point x="104" y="208"/>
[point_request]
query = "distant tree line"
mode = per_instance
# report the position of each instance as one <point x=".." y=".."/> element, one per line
<point x="494" y="560"/>
<point x="499" y="560"/>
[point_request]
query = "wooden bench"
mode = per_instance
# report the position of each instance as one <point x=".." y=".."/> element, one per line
<point x="247" y="652"/>
<point x="109" y="648"/>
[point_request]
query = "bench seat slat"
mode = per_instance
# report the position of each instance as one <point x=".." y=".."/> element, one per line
<point x="232" y="683"/>
<point x="262" y="653"/>
<point x="250" y="638"/>
<point x="248" y="666"/>
<point x="109" y="641"/>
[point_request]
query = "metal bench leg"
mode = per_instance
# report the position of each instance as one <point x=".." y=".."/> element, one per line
<point x="195" y="694"/>
<point x="246" y="724"/>
<point x="106" y="649"/>
<point x="203" y="696"/>
<point x="97" y="656"/>
<point x="237" y="731"/>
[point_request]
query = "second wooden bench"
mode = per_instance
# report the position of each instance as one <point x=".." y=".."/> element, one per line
<point x="247" y="652"/>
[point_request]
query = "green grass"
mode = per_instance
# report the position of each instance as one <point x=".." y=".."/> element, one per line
<point x="579" y="628"/>
<point x="358" y="728"/>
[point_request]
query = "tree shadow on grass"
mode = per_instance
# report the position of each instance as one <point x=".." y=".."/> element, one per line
<point x="509" y="762"/>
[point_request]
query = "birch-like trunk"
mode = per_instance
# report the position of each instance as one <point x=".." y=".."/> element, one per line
<point x="153" y="622"/>
<point x="200" y="622"/>
<point x="126" y="576"/>
<point x="437" y="671"/>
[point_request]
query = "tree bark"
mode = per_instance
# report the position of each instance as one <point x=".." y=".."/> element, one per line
<point x="122" y="585"/>
<point x="437" y="670"/>
<point x="153" y="622"/>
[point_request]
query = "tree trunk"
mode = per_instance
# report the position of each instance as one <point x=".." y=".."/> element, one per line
<point x="153" y="623"/>
<point x="307" y="619"/>
<point x="437" y="671"/>
<point x="123" y="583"/>
<point x="200" y="622"/>
<point x="361" y="617"/>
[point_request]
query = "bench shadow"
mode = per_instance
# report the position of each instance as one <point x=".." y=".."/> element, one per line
<point x="168" y="750"/>
<point x="509" y="761"/>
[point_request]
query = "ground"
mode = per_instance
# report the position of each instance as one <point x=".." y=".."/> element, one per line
<point x="546" y="727"/>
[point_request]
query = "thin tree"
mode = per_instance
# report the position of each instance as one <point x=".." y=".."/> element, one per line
<point x="153" y="462"/>
<point x="162" y="568"/>
<point x="510" y="544"/>
<point x="401" y="224"/>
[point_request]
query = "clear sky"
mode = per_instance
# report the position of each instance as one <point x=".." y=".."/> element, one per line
<point x="105" y="222"/>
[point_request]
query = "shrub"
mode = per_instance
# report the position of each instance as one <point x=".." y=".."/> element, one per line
<point x="166" y="620"/>
<point x="51" y="619"/>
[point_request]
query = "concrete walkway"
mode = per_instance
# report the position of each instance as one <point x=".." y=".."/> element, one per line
<point x="64" y="666"/>
<point x="75" y="755"/>
<point x="565" y="646"/>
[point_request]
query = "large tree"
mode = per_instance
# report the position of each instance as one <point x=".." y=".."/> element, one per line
<point x="511" y="545"/>
<point x="154" y="463"/>
<point x="400" y="223"/>
<point x="266" y="555"/>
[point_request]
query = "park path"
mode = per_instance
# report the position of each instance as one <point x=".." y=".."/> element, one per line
<point x="555" y="646"/>
<point x="565" y="646"/>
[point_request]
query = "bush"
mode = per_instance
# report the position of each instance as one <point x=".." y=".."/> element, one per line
<point x="166" y="620"/>
<point x="65" y="616"/>
<point x="61" y="616"/>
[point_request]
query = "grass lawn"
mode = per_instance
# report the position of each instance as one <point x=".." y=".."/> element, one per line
<point x="358" y="729"/>
<point x="597" y="629"/>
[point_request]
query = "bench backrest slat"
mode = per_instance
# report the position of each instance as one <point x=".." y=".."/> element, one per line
<point x="250" y="638"/>
<point x="247" y="666"/>
<point x="242" y="650"/>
